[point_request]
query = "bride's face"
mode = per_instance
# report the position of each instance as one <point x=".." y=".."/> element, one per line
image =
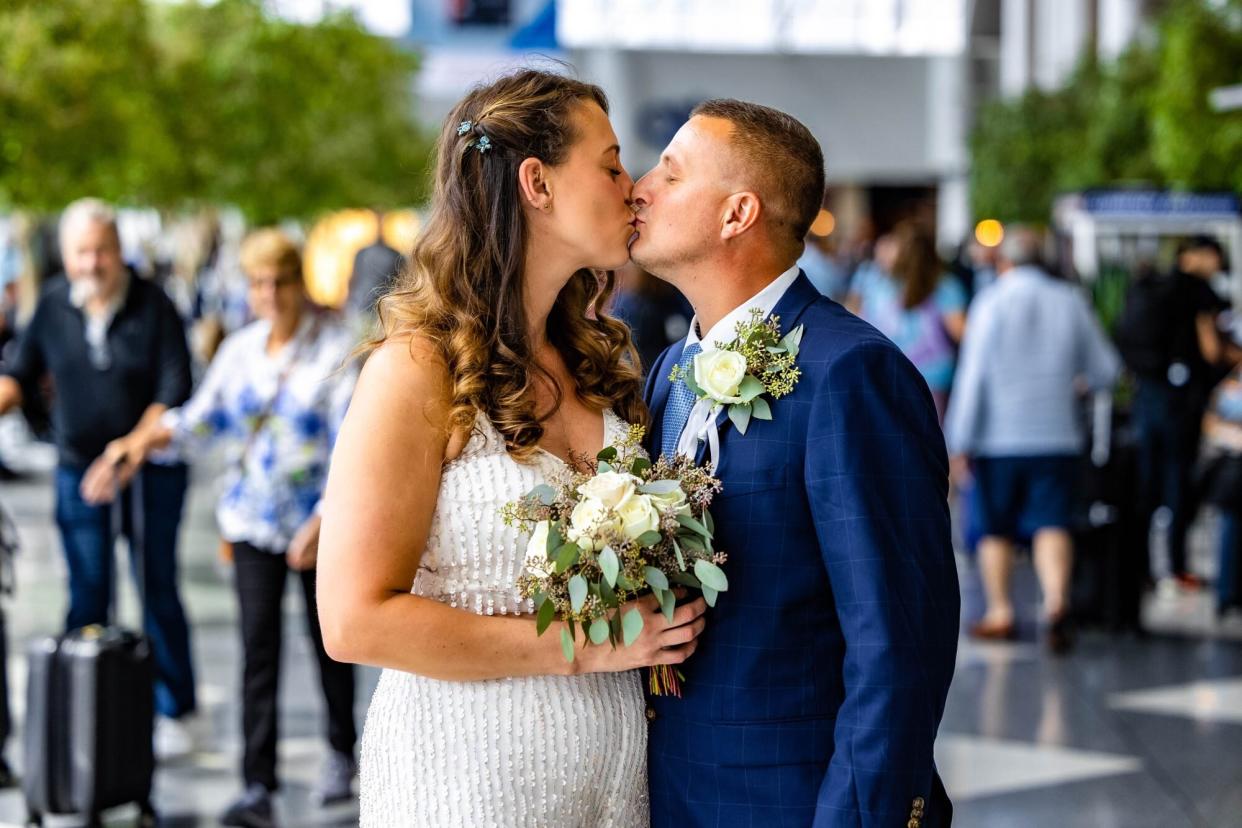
<point x="590" y="205"/>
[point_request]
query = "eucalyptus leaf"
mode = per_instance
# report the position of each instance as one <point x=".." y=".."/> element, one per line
<point x="546" y="494"/>
<point x="681" y="559"/>
<point x="759" y="409"/>
<point x="686" y="579"/>
<point x="547" y="613"/>
<point x="668" y="604"/>
<point x="640" y="465"/>
<point x="578" y="591"/>
<point x="631" y="626"/>
<point x="694" y="543"/>
<point x="709" y="595"/>
<point x="608" y="455"/>
<point x="556" y="538"/>
<point x="567" y="645"/>
<point x="567" y="556"/>
<point x="693" y="384"/>
<point x="607" y="594"/>
<point x="739" y="414"/>
<point x="625" y="583"/>
<point x="793" y="341"/>
<point x="609" y="565"/>
<point x="655" y="577"/>
<point x="693" y="525"/>
<point x="710" y="574"/>
<point x="599" y="631"/>
<point x="649" y="539"/>
<point x="749" y="389"/>
<point x="708" y="523"/>
<point x="603" y="468"/>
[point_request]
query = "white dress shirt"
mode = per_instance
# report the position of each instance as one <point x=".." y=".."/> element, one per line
<point x="701" y="424"/>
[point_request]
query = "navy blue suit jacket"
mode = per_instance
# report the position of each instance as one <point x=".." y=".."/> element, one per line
<point x="819" y="683"/>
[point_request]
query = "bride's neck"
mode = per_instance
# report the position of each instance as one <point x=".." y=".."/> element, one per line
<point x="543" y="279"/>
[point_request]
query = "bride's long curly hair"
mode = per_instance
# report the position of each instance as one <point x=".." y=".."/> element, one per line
<point x="462" y="287"/>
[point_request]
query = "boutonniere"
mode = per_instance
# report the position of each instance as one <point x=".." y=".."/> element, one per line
<point x="739" y="373"/>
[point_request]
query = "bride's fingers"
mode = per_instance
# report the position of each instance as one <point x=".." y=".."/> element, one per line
<point x="688" y="612"/>
<point x="676" y="636"/>
<point x="675" y="655"/>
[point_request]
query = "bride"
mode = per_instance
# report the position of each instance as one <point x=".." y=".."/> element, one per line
<point x="495" y="372"/>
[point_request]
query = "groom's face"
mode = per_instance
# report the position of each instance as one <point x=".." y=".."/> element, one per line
<point x="680" y="203"/>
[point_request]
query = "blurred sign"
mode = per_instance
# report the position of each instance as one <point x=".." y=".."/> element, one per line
<point x="1157" y="203"/>
<point x="658" y="121"/>
<point x="479" y="12"/>
<point x="889" y="27"/>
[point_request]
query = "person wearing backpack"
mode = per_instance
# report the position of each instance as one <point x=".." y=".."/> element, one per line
<point x="1169" y="340"/>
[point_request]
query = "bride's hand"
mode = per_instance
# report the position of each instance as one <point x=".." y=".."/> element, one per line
<point x="659" y="643"/>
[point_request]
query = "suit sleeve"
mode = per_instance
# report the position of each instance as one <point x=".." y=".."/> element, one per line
<point x="877" y="482"/>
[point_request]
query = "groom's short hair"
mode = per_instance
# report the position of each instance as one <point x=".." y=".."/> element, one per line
<point x="784" y="157"/>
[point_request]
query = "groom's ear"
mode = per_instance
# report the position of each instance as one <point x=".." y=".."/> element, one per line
<point x="741" y="213"/>
<point x="534" y="185"/>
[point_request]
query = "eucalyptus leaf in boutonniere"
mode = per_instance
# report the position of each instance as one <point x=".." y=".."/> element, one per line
<point x="758" y="362"/>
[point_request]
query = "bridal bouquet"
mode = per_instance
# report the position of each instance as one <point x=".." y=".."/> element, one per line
<point x="600" y="539"/>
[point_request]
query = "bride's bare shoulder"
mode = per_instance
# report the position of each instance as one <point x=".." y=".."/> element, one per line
<point x="407" y="373"/>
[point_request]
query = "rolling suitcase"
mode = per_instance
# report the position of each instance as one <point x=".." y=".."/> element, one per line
<point x="90" y="713"/>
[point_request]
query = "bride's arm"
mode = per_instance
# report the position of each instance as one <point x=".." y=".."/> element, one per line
<point x="377" y="512"/>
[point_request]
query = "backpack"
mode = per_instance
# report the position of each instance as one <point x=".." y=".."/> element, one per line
<point x="1151" y="328"/>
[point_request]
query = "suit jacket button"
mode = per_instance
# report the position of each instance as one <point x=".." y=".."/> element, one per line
<point x="651" y="714"/>
<point x="919" y="803"/>
<point x="913" y="823"/>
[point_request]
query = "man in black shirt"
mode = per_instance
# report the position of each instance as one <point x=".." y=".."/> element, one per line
<point x="116" y="353"/>
<point x="1170" y="340"/>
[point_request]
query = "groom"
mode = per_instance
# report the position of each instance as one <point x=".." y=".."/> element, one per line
<point x="816" y="691"/>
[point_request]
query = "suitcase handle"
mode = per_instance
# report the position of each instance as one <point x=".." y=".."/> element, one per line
<point x="137" y="546"/>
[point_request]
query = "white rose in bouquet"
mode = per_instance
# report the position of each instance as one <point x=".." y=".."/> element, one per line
<point x="609" y="488"/>
<point x="638" y="516"/>
<point x="719" y="374"/>
<point x="676" y="499"/>
<point x="588" y="522"/>
<point x="537" y="562"/>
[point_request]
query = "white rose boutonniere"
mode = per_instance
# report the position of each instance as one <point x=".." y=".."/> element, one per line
<point x="758" y="362"/>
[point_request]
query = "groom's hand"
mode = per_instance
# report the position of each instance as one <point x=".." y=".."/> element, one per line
<point x="660" y="642"/>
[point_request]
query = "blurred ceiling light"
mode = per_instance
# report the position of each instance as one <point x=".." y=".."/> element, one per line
<point x="989" y="232"/>
<point x="824" y="224"/>
<point x="335" y="240"/>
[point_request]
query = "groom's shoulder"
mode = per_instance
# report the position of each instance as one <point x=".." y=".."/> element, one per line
<point x="831" y="334"/>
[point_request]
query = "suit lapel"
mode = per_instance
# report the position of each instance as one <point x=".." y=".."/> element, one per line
<point x="800" y="295"/>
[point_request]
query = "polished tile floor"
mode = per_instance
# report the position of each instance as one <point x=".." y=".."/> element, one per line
<point x="1123" y="732"/>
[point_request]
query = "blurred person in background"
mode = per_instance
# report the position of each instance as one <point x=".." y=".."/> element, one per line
<point x="276" y="392"/>
<point x="1222" y="485"/>
<point x="909" y="298"/>
<point x="116" y="352"/>
<point x="820" y="264"/>
<point x="375" y="269"/>
<point x="657" y="314"/>
<point x="1169" y="339"/>
<point x="1032" y="346"/>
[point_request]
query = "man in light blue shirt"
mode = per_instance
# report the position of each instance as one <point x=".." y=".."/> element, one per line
<point x="1032" y="347"/>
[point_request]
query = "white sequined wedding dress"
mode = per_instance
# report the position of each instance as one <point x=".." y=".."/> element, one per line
<point x="544" y="751"/>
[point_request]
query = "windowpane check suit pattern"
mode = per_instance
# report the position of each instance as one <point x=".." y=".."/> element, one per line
<point x="818" y="686"/>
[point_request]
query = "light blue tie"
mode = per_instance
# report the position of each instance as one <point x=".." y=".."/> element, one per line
<point x="680" y="400"/>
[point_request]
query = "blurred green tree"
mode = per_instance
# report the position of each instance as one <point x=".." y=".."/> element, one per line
<point x="178" y="104"/>
<point x="1143" y="119"/>
<point x="1200" y="49"/>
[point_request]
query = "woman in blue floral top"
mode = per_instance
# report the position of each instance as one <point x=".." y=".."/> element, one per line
<point x="274" y="395"/>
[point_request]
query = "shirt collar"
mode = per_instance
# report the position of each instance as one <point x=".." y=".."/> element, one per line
<point x="78" y="298"/>
<point x="765" y="300"/>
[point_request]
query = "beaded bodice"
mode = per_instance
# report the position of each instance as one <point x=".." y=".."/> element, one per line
<point x="472" y="559"/>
